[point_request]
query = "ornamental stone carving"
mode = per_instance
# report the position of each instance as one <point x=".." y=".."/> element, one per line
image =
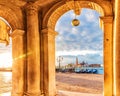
<point x="50" y="19"/>
<point x="31" y="8"/>
<point x="107" y="19"/>
<point x="49" y="31"/>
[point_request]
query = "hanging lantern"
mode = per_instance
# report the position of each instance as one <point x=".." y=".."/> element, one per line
<point x="75" y="22"/>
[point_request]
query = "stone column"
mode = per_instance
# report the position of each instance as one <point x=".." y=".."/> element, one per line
<point x="117" y="47"/>
<point x="18" y="54"/>
<point x="108" y="55"/>
<point x="33" y="51"/>
<point x="48" y="36"/>
<point x="42" y="66"/>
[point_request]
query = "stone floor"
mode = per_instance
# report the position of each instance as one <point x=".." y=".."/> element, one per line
<point x="67" y="93"/>
<point x="64" y="93"/>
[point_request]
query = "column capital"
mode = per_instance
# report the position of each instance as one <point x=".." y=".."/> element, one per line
<point x="17" y="32"/>
<point x="31" y="8"/>
<point x="49" y="31"/>
<point x="106" y="19"/>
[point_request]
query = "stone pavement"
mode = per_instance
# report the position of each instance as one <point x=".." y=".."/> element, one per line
<point x="64" y="93"/>
<point x="67" y="93"/>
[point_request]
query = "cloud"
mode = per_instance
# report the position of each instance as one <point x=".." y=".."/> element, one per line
<point x="88" y="58"/>
<point x="85" y="40"/>
<point x="87" y="36"/>
<point x="6" y="59"/>
<point x="6" y="55"/>
<point x="4" y="48"/>
<point x="77" y="52"/>
<point x="90" y="15"/>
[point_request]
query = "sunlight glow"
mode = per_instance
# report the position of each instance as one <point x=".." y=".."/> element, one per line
<point x="23" y="56"/>
<point x="7" y="77"/>
<point x="6" y="94"/>
<point x="6" y="60"/>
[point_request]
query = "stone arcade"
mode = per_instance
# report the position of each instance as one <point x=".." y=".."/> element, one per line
<point x="33" y="42"/>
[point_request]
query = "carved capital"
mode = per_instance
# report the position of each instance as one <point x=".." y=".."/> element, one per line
<point x="31" y="8"/>
<point x="49" y="31"/>
<point x="107" y="19"/>
<point x="17" y="32"/>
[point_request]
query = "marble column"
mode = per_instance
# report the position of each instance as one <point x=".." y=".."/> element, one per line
<point x="18" y="54"/>
<point x="117" y="47"/>
<point x="33" y="51"/>
<point x="48" y="36"/>
<point x="108" y="55"/>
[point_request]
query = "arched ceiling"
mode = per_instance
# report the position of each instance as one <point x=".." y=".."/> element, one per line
<point x="11" y="17"/>
<point x="17" y="3"/>
<point x="11" y="10"/>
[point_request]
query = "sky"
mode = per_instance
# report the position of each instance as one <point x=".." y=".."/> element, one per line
<point x="84" y="41"/>
<point x="5" y="52"/>
<point x="5" y="55"/>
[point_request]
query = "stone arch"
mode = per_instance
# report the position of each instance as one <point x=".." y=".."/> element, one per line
<point x="14" y="17"/>
<point x="48" y="41"/>
<point x="11" y="17"/>
<point x="50" y="19"/>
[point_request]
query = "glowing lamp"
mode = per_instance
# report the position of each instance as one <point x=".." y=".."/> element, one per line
<point x="75" y="22"/>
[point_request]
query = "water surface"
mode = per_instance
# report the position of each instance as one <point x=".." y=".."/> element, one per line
<point x="5" y="83"/>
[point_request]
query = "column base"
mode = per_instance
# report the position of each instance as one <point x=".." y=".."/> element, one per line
<point x="17" y="94"/>
<point x="33" y="94"/>
<point x="50" y="93"/>
<point x="26" y="94"/>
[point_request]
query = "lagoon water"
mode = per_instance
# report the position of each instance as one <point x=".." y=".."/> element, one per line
<point x="100" y="70"/>
<point x="5" y="83"/>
